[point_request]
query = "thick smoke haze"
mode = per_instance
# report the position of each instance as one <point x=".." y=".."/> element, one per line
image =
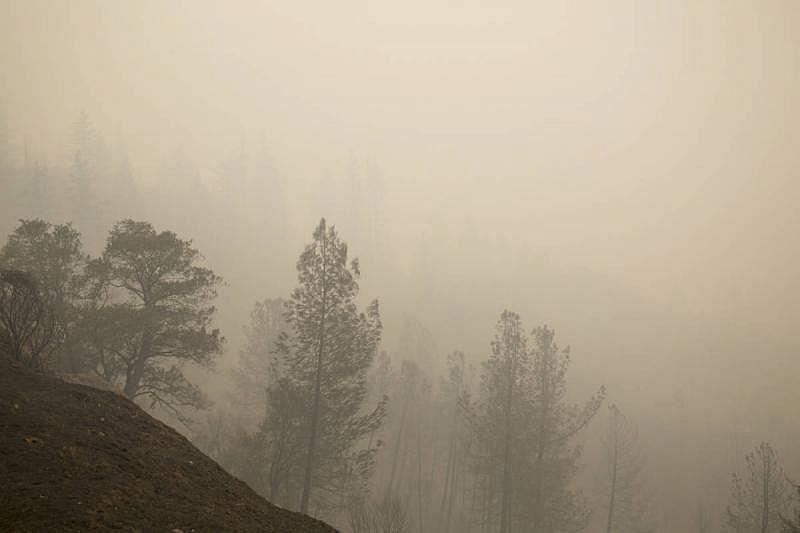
<point x="625" y="172"/>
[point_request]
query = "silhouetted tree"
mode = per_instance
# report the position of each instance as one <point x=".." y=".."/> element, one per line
<point x="554" y="505"/>
<point x="153" y="315"/>
<point x="53" y="256"/>
<point x="28" y="328"/>
<point x="502" y="426"/>
<point x="758" y="497"/>
<point x="327" y="356"/>
<point x="507" y="374"/>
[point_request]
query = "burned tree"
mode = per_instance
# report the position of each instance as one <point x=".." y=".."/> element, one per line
<point x="53" y="256"/>
<point x="28" y="329"/>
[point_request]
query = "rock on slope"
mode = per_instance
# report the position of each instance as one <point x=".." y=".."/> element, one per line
<point x="77" y="458"/>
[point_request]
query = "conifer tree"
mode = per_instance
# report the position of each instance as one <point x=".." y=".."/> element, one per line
<point x="503" y="424"/>
<point x="555" y="506"/>
<point x="760" y="496"/>
<point x="328" y="354"/>
<point x="153" y="314"/>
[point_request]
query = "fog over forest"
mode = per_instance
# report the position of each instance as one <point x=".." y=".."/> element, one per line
<point x="621" y="174"/>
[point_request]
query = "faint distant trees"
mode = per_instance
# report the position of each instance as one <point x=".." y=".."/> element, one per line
<point x="82" y="172"/>
<point x="792" y="525"/>
<point x="523" y="426"/>
<point x="556" y="506"/>
<point x="152" y="314"/>
<point x="386" y="516"/>
<point x="256" y="369"/>
<point x="33" y="193"/>
<point x="28" y="328"/>
<point x="759" y="496"/>
<point x="455" y="391"/>
<point x="627" y="503"/>
<point x="702" y="520"/>
<point x="407" y="394"/>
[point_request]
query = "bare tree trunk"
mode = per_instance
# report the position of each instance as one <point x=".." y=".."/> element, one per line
<point x="538" y="504"/>
<point x="135" y="370"/>
<point x="134" y="377"/>
<point x="505" y="518"/>
<point x="490" y="495"/>
<point x="765" y="507"/>
<point x="614" y="460"/>
<point x="419" y="473"/>
<point x="398" y="442"/>
<point x="453" y="485"/>
<point x="447" y="482"/>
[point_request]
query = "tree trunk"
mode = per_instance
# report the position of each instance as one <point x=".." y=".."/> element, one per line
<point x="613" y="483"/>
<point x="312" y="442"/>
<point x="765" y="507"/>
<point x="505" y="518"/>
<point x="135" y="371"/>
<point x="419" y="473"/>
<point x="452" y="487"/>
<point x="538" y="504"/>
<point x="398" y="442"/>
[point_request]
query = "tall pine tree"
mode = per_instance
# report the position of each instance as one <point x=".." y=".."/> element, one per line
<point x="328" y="354"/>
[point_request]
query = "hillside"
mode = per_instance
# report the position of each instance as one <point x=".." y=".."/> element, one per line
<point x="77" y="458"/>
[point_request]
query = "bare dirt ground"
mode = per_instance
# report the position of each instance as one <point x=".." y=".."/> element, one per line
<point x="74" y="458"/>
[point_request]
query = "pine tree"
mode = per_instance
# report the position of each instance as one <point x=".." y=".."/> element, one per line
<point x="502" y="424"/>
<point x="555" y="506"/>
<point x="760" y="496"/>
<point x="153" y="315"/>
<point x="328" y="355"/>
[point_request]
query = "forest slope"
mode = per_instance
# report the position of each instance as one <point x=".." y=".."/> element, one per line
<point x="76" y="458"/>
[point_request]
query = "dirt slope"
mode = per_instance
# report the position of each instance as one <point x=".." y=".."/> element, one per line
<point x="77" y="458"/>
